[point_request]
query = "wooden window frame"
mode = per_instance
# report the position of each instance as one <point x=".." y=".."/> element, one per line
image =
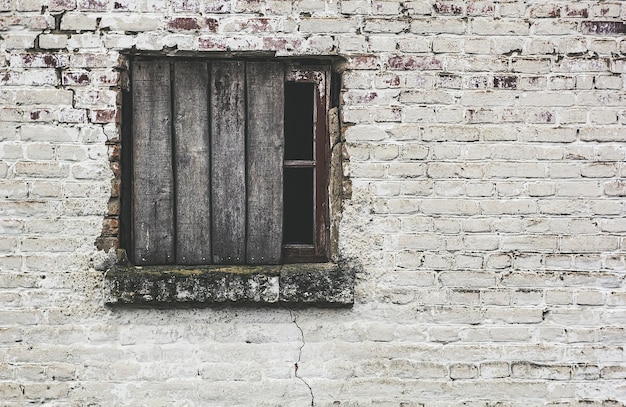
<point x="319" y="76"/>
<point x="319" y="250"/>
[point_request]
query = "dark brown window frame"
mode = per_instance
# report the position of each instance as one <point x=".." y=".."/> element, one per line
<point x="319" y="250"/>
<point x="320" y="77"/>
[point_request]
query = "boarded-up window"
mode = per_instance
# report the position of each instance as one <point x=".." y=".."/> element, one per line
<point x="229" y="162"/>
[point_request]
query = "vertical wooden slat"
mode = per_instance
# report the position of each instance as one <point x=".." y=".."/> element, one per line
<point x="322" y="157"/>
<point x="265" y="151"/>
<point x="153" y="186"/>
<point x="192" y="163"/>
<point x="228" y="164"/>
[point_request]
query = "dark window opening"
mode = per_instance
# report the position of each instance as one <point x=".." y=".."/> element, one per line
<point x="299" y="100"/>
<point x="298" y="206"/>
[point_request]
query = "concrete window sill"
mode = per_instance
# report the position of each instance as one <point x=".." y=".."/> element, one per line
<point x="320" y="284"/>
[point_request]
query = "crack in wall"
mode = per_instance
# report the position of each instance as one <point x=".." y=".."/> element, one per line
<point x="293" y="317"/>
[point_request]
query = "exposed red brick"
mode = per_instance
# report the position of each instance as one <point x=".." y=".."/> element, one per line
<point x="480" y="8"/>
<point x="32" y="22"/>
<point x="207" y="43"/>
<point x="183" y="23"/>
<point x="505" y="82"/>
<point x="110" y="226"/>
<point x="218" y="6"/>
<point x="365" y="62"/>
<point x="41" y="115"/>
<point x="367" y="98"/>
<point x="185" y="5"/>
<point x="93" y="5"/>
<point x="211" y="24"/>
<point x="415" y="63"/>
<point x="115" y="168"/>
<point x="114" y="206"/>
<point x="280" y="43"/>
<point x="60" y="5"/>
<point x="114" y="153"/>
<point x="260" y="25"/>
<point x="107" y="243"/>
<point x="393" y="81"/>
<point x="604" y="27"/>
<point x="115" y="187"/>
<point x="576" y="11"/>
<point x="76" y="78"/>
<point x="43" y="60"/>
<point x="124" y="5"/>
<point x="547" y="116"/>
<point x="104" y="116"/>
<point x="448" y="8"/>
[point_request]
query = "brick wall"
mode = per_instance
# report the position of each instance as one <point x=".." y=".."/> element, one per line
<point x="484" y="142"/>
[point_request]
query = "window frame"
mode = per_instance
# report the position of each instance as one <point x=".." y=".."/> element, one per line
<point x="318" y="73"/>
<point x="319" y="251"/>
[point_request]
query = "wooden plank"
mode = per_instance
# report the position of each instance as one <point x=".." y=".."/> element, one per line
<point x="192" y="163"/>
<point x="153" y="184"/>
<point x="228" y="164"/>
<point x="265" y="151"/>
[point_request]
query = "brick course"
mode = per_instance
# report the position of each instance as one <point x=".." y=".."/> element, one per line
<point x="484" y="149"/>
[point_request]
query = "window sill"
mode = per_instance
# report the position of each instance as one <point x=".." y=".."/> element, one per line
<point x="320" y="284"/>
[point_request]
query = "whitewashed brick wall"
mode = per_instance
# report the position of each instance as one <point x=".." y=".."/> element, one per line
<point x="486" y="144"/>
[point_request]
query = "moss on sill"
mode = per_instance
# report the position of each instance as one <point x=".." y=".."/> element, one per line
<point x="320" y="284"/>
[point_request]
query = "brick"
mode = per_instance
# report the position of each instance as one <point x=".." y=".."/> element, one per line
<point x="494" y="370"/>
<point x="544" y="11"/>
<point x="531" y="65"/>
<point x="48" y="133"/>
<point x="40" y="170"/>
<point x="477" y="63"/>
<point x="330" y="25"/>
<point x="584" y="65"/>
<point x="19" y="40"/>
<point x="540" y="46"/>
<point x="385" y="26"/>
<point x="414" y="63"/>
<point x="39" y="60"/>
<point x="78" y="22"/>
<point x="489" y="27"/>
<point x="602" y="134"/>
<point x="571" y="45"/>
<point x="550" y="372"/>
<point x="136" y="23"/>
<point x="353" y="44"/>
<point x="382" y="43"/>
<point x="438" y="26"/>
<point x="53" y="41"/>
<point x="589" y="298"/>
<point x="608" y="82"/>
<point x="604" y="27"/>
<point x="605" y="46"/>
<point x="84" y="41"/>
<point x="588" y="243"/>
<point x="62" y="5"/>
<point x="462" y="371"/>
<point x="555" y="27"/>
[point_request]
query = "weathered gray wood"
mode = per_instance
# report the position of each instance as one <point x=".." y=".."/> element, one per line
<point x="228" y="164"/>
<point x="192" y="163"/>
<point x="153" y="186"/>
<point x="265" y="151"/>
